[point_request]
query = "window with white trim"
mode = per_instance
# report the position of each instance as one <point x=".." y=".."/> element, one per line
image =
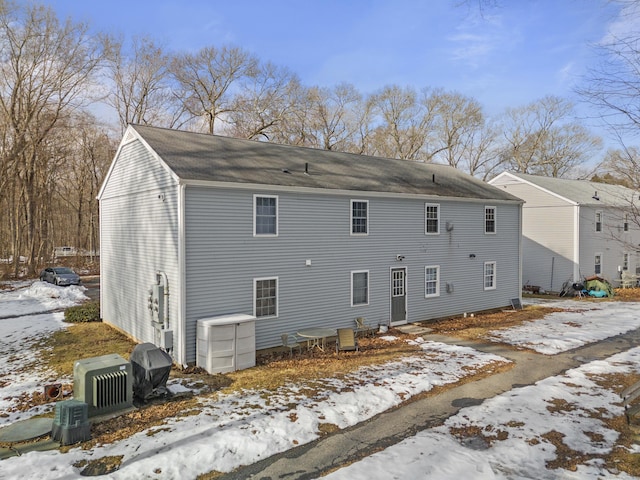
<point x="359" y="217"/>
<point x="625" y="225"/>
<point x="431" y="218"/>
<point x="360" y="288"/>
<point x="489" y="219"/>
<point x="598" y="221"/>
<point x="265" y="297"/>
<point x="432" y="281"/>
<point x="625" y="261"/>
<point x="597" y="263"/>
<point x="489" y="275"/>
<point x="265" y="215"/>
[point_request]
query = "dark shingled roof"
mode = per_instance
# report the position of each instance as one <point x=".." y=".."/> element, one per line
<point x="214" y="158"/>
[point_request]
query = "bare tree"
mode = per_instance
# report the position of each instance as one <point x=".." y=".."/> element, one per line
<point x="334" y="122"/>
<point x="264" y="102"/>
<point x="613" y="85"/>
<point x="456" y="120"/>
<point x="45" y="69"/>
<point x="542" y="138"/>
<point x="403" y="124"/>
<point x="623" y="165"/>
<point x="141" y="90"/>
<point x="206" y="81"/>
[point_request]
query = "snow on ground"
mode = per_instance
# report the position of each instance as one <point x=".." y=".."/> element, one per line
<point x="36" y="297"/>
<point x="239" y="429"/>
<point x="513" y="428"/>
<point x="580" y="324"/>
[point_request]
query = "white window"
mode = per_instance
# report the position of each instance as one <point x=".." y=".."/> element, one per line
<point x="625" y="225"/>
<point x="597" y="263"/>
<point x="360" y="288"/>
<point x="598" y="221"/>
<point x="431" y="218"/>
<point x="489" y="275"/>
<point x="265" y="297"/>
<point x="265" y="215"/>
<point x="359" y="217"/>
<point x="432" y="281"/>
<point x="489" y="219"/>
<point x="625" y="261"/>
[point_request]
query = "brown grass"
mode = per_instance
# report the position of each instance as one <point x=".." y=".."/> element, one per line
<point x="275" y="369"/>
<point x="480" y="324"/>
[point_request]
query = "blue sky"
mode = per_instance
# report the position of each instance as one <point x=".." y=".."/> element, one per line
<point x="515" y="53"/>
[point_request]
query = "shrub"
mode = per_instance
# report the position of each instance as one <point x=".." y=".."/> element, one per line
<point x="87" y="312"/>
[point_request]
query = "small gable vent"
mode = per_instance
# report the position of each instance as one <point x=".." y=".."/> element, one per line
<point x="128" y="137"/>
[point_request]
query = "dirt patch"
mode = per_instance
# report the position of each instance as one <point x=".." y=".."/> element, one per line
<point x="476" y="327"/>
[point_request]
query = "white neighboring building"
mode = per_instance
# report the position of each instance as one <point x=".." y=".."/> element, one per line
<point x="574" y="229"/>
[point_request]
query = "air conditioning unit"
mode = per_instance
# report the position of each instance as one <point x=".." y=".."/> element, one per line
<point x="104" y="383"/>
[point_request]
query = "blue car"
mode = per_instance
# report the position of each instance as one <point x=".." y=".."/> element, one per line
<point x="60" y="276"/>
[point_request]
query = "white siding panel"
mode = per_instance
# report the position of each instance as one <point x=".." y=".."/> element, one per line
<point x="548" y="236"/>
<point x="136" y="170"/>
<point x="139" y="236"/>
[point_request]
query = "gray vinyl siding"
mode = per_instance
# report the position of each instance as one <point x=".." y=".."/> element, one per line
<point x="612" y="242"/>
<point x="139" y="236"/>
<point x="223" y="257"/>
<point x="548" y="236"/>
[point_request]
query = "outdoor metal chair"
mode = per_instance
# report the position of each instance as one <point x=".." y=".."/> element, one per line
<point x="291" y="341"/>
<point x="362" y="327"/>
<point x="346" y="340"/>
<point x="628" y="280"/>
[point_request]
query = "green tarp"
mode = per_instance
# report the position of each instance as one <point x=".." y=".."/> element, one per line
<point x="598" y="287"/>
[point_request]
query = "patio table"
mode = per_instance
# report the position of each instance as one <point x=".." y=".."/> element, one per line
<point x="316" y="337"/>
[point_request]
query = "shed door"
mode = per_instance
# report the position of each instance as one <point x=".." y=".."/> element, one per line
<point x="398" y="295"/>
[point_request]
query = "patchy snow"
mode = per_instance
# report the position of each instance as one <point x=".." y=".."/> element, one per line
<point x="580" y="324"/>
<point x="240" y="429"/>
<point x="36" y="297"/>
<point x="513" y="428"/>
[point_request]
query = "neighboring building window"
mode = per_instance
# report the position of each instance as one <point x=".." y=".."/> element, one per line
<point x="265" y="297"/>
<point x="625" y="225"/>
<point x="625" y="261"/>
<point x="360" y="288"/>
<point x="597" y="264"/>
<point x="489" y="219"/>
<point x="359" y="217"/>
<point x="598" y="221"/>
<point x="432" y="281"/>
<point x="431" y="218"/>
<point x="265" y="215"/>
<point x="489" y="275"/>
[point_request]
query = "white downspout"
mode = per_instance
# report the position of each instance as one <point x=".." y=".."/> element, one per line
<point x="182" y="275"/>
<point x="576" y="243"/>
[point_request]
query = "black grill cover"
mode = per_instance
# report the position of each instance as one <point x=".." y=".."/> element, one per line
<point x="151" y="367"/>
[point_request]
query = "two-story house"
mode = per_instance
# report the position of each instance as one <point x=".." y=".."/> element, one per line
<point x="574" y="229"/>
<point x="294" y="237"/>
